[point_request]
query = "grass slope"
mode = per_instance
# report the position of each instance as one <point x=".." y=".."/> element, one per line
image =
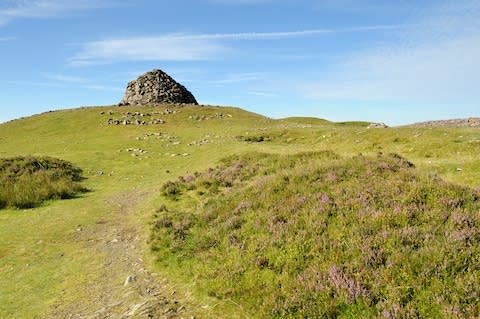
<point x="315" y="235"/>
<point x="40" y="254"/>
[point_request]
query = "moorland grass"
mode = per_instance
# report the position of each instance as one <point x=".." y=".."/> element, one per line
<point x="26" y="182"/>
<point x="316" y="235"/>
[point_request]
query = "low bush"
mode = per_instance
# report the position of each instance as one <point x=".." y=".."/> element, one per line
<point x="254" y="138"/>
<point x="318" y="236"/>
<point x="26" y="182"/>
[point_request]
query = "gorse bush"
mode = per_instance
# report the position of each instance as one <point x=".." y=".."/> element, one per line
<point x="318" y="236"/>
<point x="26" y="182"/>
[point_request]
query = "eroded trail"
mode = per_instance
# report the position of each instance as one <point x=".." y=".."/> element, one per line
<point x="123" y="286"/>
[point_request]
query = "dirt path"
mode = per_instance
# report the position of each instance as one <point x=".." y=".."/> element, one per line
<point x="124" y="288"/>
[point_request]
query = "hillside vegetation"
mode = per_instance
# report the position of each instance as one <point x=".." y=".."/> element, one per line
<point x="315" y="235"/>
<point x="27" y="181"/>
<point x="71" y="257"/>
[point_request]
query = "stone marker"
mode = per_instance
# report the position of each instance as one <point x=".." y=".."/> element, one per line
<point x="156" y="87"/>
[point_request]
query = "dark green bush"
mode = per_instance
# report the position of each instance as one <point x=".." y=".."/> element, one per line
<point x="172" y="189"/>
<point x="254" y="138"/>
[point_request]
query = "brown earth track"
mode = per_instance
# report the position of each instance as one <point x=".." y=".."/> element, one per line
<point x="109" y="294"/>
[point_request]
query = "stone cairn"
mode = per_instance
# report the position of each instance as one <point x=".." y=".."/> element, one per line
<point x="156" y="87"/>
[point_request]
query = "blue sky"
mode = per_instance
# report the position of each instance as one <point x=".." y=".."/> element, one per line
<point x="377" y="60"/>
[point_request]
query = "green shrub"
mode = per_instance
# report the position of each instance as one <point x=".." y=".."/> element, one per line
<point x="171" y="189"/>
<point x="318" y="236"/>
<point x="26" y="182"/>
<point x="254" y="138"/>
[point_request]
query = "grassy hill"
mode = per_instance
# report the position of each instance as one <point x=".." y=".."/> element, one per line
<point x="60" y="258"/>
<point x="315" y="235"/>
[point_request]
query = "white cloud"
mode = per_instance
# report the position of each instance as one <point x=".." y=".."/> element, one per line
<point x="241" y="77"/>
<point x="263" y="94"/>
<point x="102" y="88"/>
<point x="95" y="87"/>
<point x="187" y="47"/>
<point x="64" y="78"/>
<point x="162" y="48"/>
<point x="437" y="61"/>
<point x="17" y="9"/>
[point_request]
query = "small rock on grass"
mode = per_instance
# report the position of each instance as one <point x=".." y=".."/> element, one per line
<point x="130" y="279"/>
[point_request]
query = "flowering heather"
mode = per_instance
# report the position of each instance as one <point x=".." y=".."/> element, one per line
<point x="314" y="235"/>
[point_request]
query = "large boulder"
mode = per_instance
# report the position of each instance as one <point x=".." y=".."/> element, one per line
<point x="156" y="87"/>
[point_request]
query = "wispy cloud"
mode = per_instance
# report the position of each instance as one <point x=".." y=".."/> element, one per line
<point x="162" y="48"/>
<point x="241" y="77"/>
<point x="17" y="9"/>
<point x="188" y="47"/>
<point x="41" y="84"/>
<point x="263" y="94"/>
<point x="67" y="85"/>
<point x="64" y="78"/>
<point x="103" y="88"/>
<point x="5" y="39"/>
<point x="438" y="61"/>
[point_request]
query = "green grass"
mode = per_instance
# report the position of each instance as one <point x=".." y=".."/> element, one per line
<point x="34" y="240"/>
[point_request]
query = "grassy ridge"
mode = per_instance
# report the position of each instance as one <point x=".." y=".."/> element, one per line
<point x="315" y="235"/>
<point x="26" y="182"/>
<point x="33" y="241"/>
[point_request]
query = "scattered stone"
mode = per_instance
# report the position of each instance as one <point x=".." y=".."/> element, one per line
<point x="199" y="118"/>
<point x="156" y="87"/>
<point x="203" y="141"/>
<point x="135" y="151"/>
<point x="130" y="279"/>
<point x="377" y="125"/>
<point x="135" y="118"/>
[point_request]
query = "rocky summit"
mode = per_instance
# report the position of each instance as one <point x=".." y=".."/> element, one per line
<point x="156" y="87"/>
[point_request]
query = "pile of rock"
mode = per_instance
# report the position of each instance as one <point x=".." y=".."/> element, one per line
<point x="170" y="111"/>
<point x="196" y="117"/>
<point x="201" y="142"/>
<point x="156" y="87"/>
<point x="135" y="118"/>
<point x="176" y="154"/>
<point x="136" y="151"/>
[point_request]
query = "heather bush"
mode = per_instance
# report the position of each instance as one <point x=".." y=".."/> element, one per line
<point x="315" y="235"/>
<point x="26" y="182"/>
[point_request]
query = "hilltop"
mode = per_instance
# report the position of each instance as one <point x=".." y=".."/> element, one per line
<point x="73" y="257"/>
